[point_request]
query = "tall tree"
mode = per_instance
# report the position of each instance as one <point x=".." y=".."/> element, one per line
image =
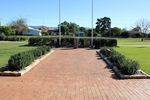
<point x="19" y="26"/>
<point x="65" y="28"/>
<point x="103" y="25"/>
<point x="73" y="28"/>
<point x="144" y="27"/>
<point x="116" y="32"/>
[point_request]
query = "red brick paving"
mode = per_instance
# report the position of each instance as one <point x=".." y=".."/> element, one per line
<point x="72" y="75"/>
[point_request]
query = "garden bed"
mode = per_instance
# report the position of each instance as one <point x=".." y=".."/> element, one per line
<point x="26" y="69"/>
<point x="22" y="62"/>
<point x="138" y="75"/>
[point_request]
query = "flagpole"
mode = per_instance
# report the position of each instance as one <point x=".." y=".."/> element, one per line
<point x="59" y="22"/>
<point x="92" y="25"/>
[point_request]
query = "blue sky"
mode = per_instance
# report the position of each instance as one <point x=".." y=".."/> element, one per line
<point x="124" y="13"/>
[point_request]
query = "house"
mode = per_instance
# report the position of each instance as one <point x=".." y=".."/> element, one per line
<point x="32" y="31"/>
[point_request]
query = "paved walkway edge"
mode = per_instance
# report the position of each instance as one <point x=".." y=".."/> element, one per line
<point x="118" y="72"/>
<point x="28" y="68"/>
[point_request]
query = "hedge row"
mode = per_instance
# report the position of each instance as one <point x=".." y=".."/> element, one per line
<point x="126" y="66"/>
<point x="69" y="42"/>
<point x="12" y="38"/>
<point x="23" y="59"/>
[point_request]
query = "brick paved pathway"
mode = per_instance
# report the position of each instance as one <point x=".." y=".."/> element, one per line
<point x="72" y="75"/>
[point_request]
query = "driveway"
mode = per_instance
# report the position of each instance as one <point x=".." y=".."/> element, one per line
<point x="72" y="74"/>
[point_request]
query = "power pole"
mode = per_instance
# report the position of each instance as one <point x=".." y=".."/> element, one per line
<point x="92" y="24"/>
<point x="59" y="23"/>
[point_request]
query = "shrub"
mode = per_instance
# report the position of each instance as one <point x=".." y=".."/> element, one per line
<point x="105" y="51"/>
<point x="7" y="30"/>
<point x="111" y="42"/>
<point x="126" y="66"/>
<point x="2" y="36"/>
<point x="129" y="67"/>
<point x="69" y="42"/>
<point x="104" y="42"/>
<point x="13" y="38"/>
<point x="39" y="41"/>
<point x="23" y="59"/>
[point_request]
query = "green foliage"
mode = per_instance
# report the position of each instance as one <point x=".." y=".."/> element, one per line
<point x="129" y="67"/>
<point x="103" y="25"/>
<point x="19" y="26"/>
<point x="39" y="41"/>
<point x="9" y="48"/>
<point x="104" y="42"/>
<point x="12" y="38"/>
<point x="2" y="36"/>
<point x="116" y="32"/>
<point x="6" y="30"/>
<point x="125" y="34"/>
<point x="45" y="33"/>
<point x="126" y="66"/>
<point x="69" y="42"/>
<point x="67" y="28"/>
<point x="22" y="60"/>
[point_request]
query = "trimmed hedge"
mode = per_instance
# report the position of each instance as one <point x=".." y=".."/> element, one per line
<point x="23" y="59"/>
<point x="12" y="38"/>
<point x="69" y="42"/>
<point x="104" y="43"/>
<point x="126" y="66"/>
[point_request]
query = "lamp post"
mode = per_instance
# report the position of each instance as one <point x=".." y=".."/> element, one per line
<point x="59" y="23"/>
<point x="92" y="25"/>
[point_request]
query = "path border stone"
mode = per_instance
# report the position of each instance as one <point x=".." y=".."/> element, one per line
<point x="118" y="72"/>
<point x="27" y="69"/>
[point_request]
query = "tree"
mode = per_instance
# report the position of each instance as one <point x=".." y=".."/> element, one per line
<point x="6" y="30"/>
<point x="136" y="32"/>
<point x="116" y="32"/>
<point x="103" y="25"/>
<point x="82" y="29"/>
<point x="65" y="28"/>
<point x="143" y="26"/>
<point x="125" y="34"/>
<point x="73" y="28"/>
<point x="19" y="26"/>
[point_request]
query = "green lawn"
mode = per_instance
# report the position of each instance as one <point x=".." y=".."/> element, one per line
<point x="132" y="42"/>
<point x="10" y="48"/>
<point x="139" y="51"/>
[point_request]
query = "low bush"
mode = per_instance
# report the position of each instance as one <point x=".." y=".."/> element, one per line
<point x="23" y="59"/>
<point x="69" y="42"/>
<point x="105" y="42"/>
<point x="39" y="41"/>
<point x="126" y="66"/>
<point x="13" y="38"/>
<point x="7" y="30"/>
<point x="2" y="36"/>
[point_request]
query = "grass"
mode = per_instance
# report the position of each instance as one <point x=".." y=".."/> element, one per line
<point x="10" y="48"/>
<point x="136" y="50"/>
<point x="132" y="42"/>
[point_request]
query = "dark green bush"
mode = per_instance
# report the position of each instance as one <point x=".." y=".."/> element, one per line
<point x="111" y="42"/>
<point x="106" y="51"/>
<point x="129" y="67"/>
<point x="22" y="60"/>
<point x="13" y="38"/>
<point x="7" y="30"/>
<point x="69" y="42"/>
<point x="39" y="41"/>
<point x="2" y="36"/>
<point x="126" y="66"/>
